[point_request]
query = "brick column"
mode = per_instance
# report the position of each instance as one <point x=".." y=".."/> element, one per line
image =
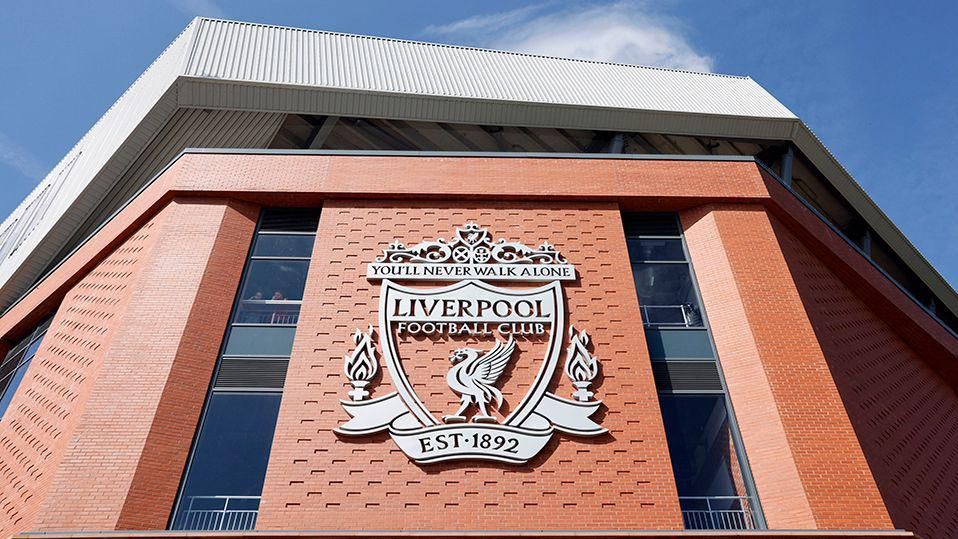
<point x="125" y="458"/>
<point x="809" y="468"/>
<point x="39" y="424"/>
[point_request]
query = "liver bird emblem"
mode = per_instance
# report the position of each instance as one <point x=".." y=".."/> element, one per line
<point x="474" y="375"/>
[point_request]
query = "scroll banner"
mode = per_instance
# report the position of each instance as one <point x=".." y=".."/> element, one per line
<point x="484" y="441"/>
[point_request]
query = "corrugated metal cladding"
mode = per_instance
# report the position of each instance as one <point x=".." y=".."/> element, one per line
<point x="250" y="52"/>
<point x="103" y="153"/>
<point x="188" y="128"/>
<point x="237" y="66"/>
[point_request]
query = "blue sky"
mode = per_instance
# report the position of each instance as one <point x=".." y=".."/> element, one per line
<point x="877" y="81"/>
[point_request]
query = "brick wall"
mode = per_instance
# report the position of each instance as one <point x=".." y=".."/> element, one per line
<point x="44" y="412"/>
<point x="782" y="495"/>
<point x="759" y="298"/>
<point x="127" y="452"/>
<point x="103" y="421"/>
<point x="904" y="413"/>
<point x="317" y="480"/>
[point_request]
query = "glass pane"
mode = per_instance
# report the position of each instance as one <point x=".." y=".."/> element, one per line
<point x="264" y="311"/>
<point x="34" y="346"/>
<point x="275" y="280"/>
<point x="677" y="344"/>
<point x="11" y="386"/>
<point x="283" y="245"/>
<point x="666" y="295"/>
<point x="703" y="453"/>
<point x="229" y="459"/>
<point x="649" y="249"/>
<point x="650" y="224"/>
<point x="260" y="341"/>
<point x="7" y="368"/>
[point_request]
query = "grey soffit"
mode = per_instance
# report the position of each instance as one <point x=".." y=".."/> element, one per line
<point x="253" y="68"/>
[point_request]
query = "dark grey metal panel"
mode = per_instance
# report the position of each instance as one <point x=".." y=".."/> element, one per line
<point x="250" y="373"/>
<point x="686" y="376"/>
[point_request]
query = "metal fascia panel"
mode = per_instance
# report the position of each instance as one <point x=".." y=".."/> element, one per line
<point x="828" y="165"/>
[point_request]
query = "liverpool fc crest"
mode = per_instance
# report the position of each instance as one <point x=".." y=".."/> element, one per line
<point x="485" y="426"/>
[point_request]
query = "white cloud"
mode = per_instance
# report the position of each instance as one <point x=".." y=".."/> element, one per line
<point x="21" y="160"/>
<point x="623" y="32"/>
<point x="493" y="21"/>
<point x="201" y="8"/>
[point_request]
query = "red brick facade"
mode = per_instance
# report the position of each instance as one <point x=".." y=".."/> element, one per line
<point x="757" y="286"/>
<point x="47" y="407"/>
<point x="124" y="370"/>
<point x="319" y="481"/>
<point x="904" y="414"/>
<point x="832" y="399"/>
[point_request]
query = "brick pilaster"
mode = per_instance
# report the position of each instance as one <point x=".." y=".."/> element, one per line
<point x="809" y="468"/>
<point x="123" y="464"/>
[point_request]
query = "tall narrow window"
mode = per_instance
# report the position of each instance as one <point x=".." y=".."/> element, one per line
<point x="224" y="479"/>
<point x="15" y="365"/>
<point x="711" y="472"/>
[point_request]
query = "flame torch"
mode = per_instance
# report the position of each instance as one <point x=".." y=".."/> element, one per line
<point x="580" y="366"/>
<point x="361" y="366"/>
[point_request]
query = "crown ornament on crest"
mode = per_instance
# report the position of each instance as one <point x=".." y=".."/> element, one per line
<point x="471" y="245"/>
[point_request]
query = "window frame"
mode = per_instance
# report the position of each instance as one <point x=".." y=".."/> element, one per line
<point x="21" y="349"/>
<point x="197" y="439"/>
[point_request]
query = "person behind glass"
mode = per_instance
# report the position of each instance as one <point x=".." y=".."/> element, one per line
<point x="279" y="317"/>
<point x="249" y="316"/>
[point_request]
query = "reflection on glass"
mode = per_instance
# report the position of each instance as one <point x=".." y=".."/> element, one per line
<point x="655" y="249"/>
<point x="276" y="341"/>
<point x="7" y="368"/>
<point x="666" y="294"/>
<point x="284" y="245"/>
<point x="229" y="460"/>
<point x="668" y="344"/>
<point x="251" y="311"/>
<point x="275" y="280"/>
<point x="701" y="446"/>
<point x="12" y="372"/>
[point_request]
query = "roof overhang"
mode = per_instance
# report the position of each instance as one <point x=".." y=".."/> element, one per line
<point x="268" y="71"/>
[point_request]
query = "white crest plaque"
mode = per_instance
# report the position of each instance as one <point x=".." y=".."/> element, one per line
<point x="472" y="307"/>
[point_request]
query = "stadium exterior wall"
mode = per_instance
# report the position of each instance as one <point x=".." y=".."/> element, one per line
<point x="833" y="373"/>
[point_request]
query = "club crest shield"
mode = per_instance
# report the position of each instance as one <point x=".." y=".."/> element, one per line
<point x="501" y="325"/>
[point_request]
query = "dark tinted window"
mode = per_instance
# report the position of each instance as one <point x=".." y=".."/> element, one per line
<point x="231" y="453"/>
<point x="11" y="372"/>
<point x="666" y="294"/>
<point x="650" y="224"/>
<point x="275" y="280"/>
<point x="647" y="249"/>
<point x="289" y="220"/>
<point x="284" y="245"/>
<point x="701" y="445"/>
<point x="15" y="365"/>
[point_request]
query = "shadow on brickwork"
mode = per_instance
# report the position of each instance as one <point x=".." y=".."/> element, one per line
<point x="904" y="414"/>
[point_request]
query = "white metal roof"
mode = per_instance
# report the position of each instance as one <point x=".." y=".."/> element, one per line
<point x="289" y="56"/>
<point x="250" y="75"/>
